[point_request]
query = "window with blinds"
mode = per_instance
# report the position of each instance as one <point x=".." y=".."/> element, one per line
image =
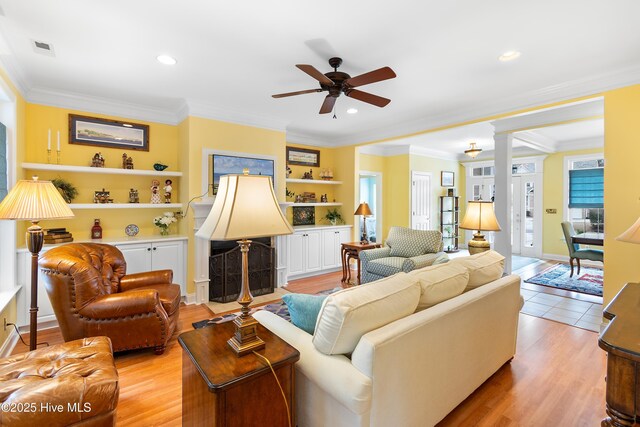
<point x="586" y="188"/>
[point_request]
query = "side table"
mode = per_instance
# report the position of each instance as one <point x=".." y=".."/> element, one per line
<point x="621" y="341"/>
<point x="350" y="251"/>
<point x="220" y="389"/>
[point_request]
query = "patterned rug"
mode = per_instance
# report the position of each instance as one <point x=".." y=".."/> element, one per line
<point x="279" y="308"/>
<point x="589" y="281"/>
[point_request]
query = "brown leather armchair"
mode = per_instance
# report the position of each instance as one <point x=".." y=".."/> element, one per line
<point x="91" y="295"/>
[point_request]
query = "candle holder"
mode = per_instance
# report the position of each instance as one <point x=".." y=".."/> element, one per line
<point x="48" y="155"/>
<point x="58" y="157"/>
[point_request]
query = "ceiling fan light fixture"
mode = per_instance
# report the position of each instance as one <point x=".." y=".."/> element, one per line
<point x="509" y="56"/>
<point x="352" y="111"/>
<point x="473" y="151"/>
<point x="166" y="60"/>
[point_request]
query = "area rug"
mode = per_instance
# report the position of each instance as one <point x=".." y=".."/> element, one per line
<point x="589" y="281"/>
<point x="279" y="308"/>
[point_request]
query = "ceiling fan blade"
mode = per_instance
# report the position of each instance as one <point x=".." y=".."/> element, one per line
<point x="327" y="105"/>
<point x="311" y="70"/>
<point x="378" y="75"/>
<point x="300" y="92"/>
<point x="369" y="98"/>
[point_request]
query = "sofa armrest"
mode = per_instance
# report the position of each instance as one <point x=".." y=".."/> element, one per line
<point x="425" y="260"/>
<point x="139" y="280"/>
<point x="346" y="384"/>
<point x="122" y="304"/>
<point x="371" y="254"/>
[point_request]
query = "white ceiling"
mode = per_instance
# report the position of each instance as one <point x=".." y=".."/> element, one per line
<point x="233" y="56"/>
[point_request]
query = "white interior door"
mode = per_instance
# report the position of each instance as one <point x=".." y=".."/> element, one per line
<point x="420" y="201"/>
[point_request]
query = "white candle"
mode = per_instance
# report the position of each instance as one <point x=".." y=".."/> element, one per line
<point x="58" y="140"/>
<point x="49" y="140"/>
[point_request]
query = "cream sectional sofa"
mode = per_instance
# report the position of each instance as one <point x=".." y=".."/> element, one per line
<point x="411" y="371"/>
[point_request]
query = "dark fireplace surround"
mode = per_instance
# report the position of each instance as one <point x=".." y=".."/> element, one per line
<point x="225" y="269"/>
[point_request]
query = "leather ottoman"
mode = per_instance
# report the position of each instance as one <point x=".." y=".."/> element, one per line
<point x="75" y="383"/>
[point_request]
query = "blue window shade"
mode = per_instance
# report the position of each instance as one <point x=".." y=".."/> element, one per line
<point x="586" y="188"/>
<point x="3" y="161"/>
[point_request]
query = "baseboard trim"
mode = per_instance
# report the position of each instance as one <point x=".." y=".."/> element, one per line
<point x="564" y="258"/>
<point x="311" y="274"/>
<point x="9" y="344"/>
<point x="190" y="299"/>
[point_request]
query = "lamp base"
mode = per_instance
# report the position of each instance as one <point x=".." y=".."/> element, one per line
<point x="245" y="340"/>
<point x="478" y="244"/>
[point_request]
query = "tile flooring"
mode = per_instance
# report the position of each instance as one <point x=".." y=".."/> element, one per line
<point x="573" y="312"/>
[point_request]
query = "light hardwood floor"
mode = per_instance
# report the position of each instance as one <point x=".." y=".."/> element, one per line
<point x="556" y="377"/>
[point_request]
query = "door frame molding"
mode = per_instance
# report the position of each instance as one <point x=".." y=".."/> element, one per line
<point x="379" y="206"/>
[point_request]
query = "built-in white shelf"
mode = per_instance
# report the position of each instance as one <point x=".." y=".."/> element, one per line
<point x="89" y="169"/>
<point x="125" y="205"/>
<point x="312" y="181"/>
<point x="316" y="204"/>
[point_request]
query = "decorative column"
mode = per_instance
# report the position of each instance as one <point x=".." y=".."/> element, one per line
<point x="503" y="198"/>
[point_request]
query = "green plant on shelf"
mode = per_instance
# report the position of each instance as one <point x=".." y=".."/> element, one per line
<point x="66" y="189"/>
<point x="333" y="216"/>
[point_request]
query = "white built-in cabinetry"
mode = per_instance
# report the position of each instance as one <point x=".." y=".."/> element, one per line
<point x="141" y="254"/>
<point x="313" y="250"/>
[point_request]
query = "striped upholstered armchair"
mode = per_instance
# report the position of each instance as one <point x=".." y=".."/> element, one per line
<point x="406" y="250"/>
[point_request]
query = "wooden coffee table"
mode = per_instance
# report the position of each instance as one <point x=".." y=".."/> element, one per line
<point x="221" y="389"/>
<point x="351" y="251"/>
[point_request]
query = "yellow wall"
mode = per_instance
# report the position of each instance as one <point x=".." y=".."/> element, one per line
<point x="553" y="198"/>
<point x="621" y="191"/>
<point x="163" y="148"/>
<point x="395" y="184"/>
<point x="199" y="134"/>
<point x="347" y="160"/>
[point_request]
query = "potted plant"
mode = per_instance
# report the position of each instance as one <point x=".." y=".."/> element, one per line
<point x="333" y="216"/>
<point x="66" y="189"/>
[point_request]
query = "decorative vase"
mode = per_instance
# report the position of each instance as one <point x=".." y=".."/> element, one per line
<point x="164" y="231"/>
<point x="333" y="221"/>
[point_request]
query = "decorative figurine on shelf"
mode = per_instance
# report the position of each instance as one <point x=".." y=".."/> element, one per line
<point x="298" y="199"/>
<point x="102" y="196"/>
<point x="133" y="196"/>
<point x="96" y="230"/>
<point x="288" y="171"/>
<point x="127" y="162"/>
<point x="308" y="175"/>
<point x="155" y="191"/>
<point x="323" y="198"/>
<point x="159" y="167"/>
<point x="326" y="174"/>
<point x="167" y="190"/>
<point x="97" y="161"/>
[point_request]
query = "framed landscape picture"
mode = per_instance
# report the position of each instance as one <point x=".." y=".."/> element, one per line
<point x="303" y="157"/>
<point x="446" y="179"/>
<point x="225" y="165"/>
<point x="108" y="133"/>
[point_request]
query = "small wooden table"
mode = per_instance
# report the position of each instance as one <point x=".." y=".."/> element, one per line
<point x="220" y="389"/>
<point x="621" y="340"/>
<point x="350" y="251"/>
<point x="595" y="239"/>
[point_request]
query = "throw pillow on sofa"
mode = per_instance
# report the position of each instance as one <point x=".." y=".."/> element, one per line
<point x="440" y="283"/>
<point x="304" y="309"/>
<point x="483" y="268"/>
<point x="348" y="314"/>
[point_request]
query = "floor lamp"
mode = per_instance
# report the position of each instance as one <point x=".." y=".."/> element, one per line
<point x="481" y="217"/>
<point x="34" y="200"/>
<point x="245" y="207"/>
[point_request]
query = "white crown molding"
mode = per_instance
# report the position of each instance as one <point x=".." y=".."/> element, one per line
<point x="225" y="114"/>
<point x="14" y="73"/>
<point x="537" y="141"/>
<point x="385" y="150"/>
<point x="93" y="104"/>
<point x="434" y="154"/>
<point x="587" y="86"/>
<point x="581" y="144"/>
<point x="299" y="137"/>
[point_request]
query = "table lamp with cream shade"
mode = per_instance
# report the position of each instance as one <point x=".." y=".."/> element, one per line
<point x="632" y="234"/>
<point x="479" y="216"/>
<point x="365" y="211"/>
<point x="34" y="200"/>
<point x="245" y="207"/>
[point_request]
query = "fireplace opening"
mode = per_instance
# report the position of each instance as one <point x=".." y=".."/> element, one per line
<point x="225" y="269"/>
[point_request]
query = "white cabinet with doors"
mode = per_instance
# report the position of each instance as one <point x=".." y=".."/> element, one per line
<point x="315" y="250"/>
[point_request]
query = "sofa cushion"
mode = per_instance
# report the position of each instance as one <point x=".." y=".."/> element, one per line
<point x="386" y="266"/>
<point x="348" y="314"/>
<point x="406" y="242"/>
<point x="483" y="268"/>
<point x="440" y="283"/>
<point x="304" y="309"/>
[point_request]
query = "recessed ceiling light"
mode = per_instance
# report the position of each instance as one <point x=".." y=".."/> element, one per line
<point x="352" y="110"/>
<point x="509" y="56"/>
<point x="166" y="60"/>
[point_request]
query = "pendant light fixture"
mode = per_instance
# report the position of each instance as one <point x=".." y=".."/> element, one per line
<point x="473" y="151"/>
